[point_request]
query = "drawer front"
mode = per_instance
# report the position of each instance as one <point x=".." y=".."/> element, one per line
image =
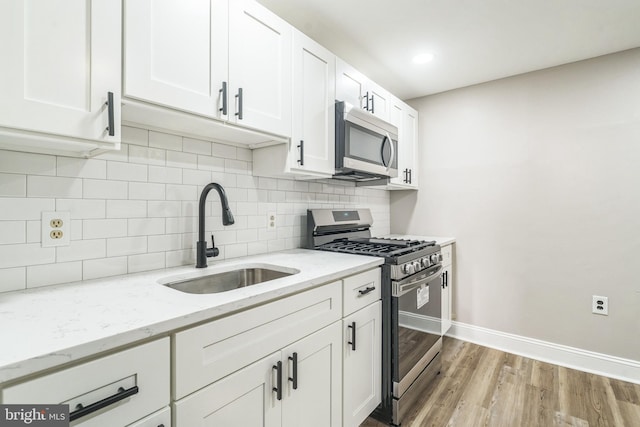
<point x="211" y="351"/>
<point x="358" y="292"/>
<point x="162" y="418"/>
<point x="145" y="366"/>
<point x="447" y="255"/>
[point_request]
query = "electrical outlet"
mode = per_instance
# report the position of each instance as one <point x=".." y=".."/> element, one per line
<point x="55" y="229"/>
<point x="271" y="221"/>
<point x="600" y="305"/>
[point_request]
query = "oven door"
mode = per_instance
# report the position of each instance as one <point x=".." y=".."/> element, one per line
<point x="416" y="331"/>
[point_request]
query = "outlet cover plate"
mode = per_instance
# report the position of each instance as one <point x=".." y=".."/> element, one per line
<point x="49" y="226"/>
<point x="600" y="305"/>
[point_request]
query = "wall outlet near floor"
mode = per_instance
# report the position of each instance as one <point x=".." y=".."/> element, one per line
<point x="271" y="221"/>
<point x="600" y="305"/>
<point x="55" y="229"/>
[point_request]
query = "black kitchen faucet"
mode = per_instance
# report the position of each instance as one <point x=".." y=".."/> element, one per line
<point x="202" y="252"/>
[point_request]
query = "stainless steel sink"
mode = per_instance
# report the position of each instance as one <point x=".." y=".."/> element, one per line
<point x="229" y="280"/>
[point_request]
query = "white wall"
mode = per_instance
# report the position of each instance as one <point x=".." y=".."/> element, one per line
<point x="136" y="209"/>
<point x="538" y="178"/>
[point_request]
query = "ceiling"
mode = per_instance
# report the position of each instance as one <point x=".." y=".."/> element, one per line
<point x="473" y="41"/>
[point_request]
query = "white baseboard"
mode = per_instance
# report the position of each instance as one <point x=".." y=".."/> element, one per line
<point x="557" y="354"/>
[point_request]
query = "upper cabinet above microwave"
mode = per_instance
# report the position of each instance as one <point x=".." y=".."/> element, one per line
<point x="226" y="60"/>
<point x="60" y="69"/>
<point x="356" y="89"/>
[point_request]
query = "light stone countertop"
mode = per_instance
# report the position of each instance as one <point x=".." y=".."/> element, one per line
<point x="50" y="326"/>
<point x="442" y="241"/>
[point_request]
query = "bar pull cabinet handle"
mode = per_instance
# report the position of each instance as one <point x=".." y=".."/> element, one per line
<point x="443" y="279"/>
<point x="223" y="93"/>
<point x="294" y="375"/>
<point x="278" y="387"/>
<point x="366" y="99"/>
<point x="111" y="127"/>
<point x="122" y="394"/>
<point x="410" y="176"/>
<point x="301" y="147"/>
<point x="373" y="105"/>
<point x="239" y="98"/>
<point x="352" y="326"/>
<point x="406" y="176"/>
<point x="366" y="290"/>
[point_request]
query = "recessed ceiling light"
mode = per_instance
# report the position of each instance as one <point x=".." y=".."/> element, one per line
<point x="423" y="58"/>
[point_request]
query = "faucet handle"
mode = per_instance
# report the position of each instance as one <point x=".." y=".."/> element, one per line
<point x="213" y="251"/>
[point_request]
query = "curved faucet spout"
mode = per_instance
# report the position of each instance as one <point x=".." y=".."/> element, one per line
<point x="227" y="219"/>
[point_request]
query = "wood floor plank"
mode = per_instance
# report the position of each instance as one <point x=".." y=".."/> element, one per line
<point x="479" y="386"/>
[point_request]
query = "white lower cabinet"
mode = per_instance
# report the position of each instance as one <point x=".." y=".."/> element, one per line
<point x="447" y="287"/>
<point x="133" y="383"/>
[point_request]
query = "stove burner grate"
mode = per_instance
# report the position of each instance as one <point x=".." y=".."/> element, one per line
<point x="375" y="246"/>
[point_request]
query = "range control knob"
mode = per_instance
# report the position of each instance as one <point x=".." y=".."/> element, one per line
<point x="408" y="268"/>
<point x="425" y="262"/>
<point x="417" y="266"/>
<point x="435" y="258"/>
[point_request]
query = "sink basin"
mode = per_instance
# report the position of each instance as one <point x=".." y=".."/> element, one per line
<point x="229" y="280"/>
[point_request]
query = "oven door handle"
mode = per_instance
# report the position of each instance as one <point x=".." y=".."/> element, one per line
<point x="399" y="288"/>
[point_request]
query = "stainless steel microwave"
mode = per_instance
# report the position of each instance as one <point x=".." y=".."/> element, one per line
<point x="366" y="146"/>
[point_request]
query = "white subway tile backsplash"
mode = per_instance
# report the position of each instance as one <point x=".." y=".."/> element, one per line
<point x="146" y="155"/>
<point x="145" y="226"/>
<point x="146" y="262"/>
<point x="27" y="163"/>
<point x="18" y="255"/>
<point x="165" y="175"/>
<point x="24" y="209"/>
<point x="82" y="168"/>
<point x="136" y="136"/>
<point x="126" y="246"/>
<point x="13" y="232"/>
<point x="82" y="208"/>
<point x="137" y="209"/>
<point x="13" y="279"/>
<point x="121" y="171"/>
<point x="80" y="250"/>
<point x="13" y="185"/>
<point x="146" y="191"/>
<point x="104" y="267"/>
<point x="165" y="141"/>
<point x="49" y="186"/>
<point x="126" y="209"/>
<point x="101" y="189"/>
<point x="53" y="274"/>
<point x="104" y="228"/>
<point x="196" y="146"/>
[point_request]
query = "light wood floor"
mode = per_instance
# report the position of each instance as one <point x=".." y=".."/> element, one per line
<point x="479" y="386"/>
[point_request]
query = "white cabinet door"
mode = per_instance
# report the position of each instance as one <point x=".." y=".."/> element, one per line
<point x="379" y="101"/>
<point x="317" y="398"/>
<point x="447" y="280"/>
<point x="259" y="68"/>
<point x="351" y="85"/>
<point x="406" y="119"/>
<point x="176" y="53"/>
<point x="244" y="398"/>
<point x="60" y="59"/>
<point x="362" y="365"/>
<point x="313" y="138"/>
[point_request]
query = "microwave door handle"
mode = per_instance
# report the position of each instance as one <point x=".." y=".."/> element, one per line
<point x="393" y="151"/>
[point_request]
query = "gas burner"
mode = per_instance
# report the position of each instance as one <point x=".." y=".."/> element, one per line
<point x="375" y="246"/>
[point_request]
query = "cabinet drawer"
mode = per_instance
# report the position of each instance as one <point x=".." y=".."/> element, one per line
<point x="145" y="366"/>
<point x="447" y="255"/>
<point x="358" y="290"/>
<point x="162" y="418"/>
<point x="211" y="351"/>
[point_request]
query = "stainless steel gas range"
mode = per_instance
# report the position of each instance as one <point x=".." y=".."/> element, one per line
<point x="411" y="302"/>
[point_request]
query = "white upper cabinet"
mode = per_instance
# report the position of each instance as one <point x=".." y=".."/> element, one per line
<point x="61" y="60"/>
<point x="176" y="53"/>
<point x="406" y="119"/>
<point x="356" y="89"/>
<point x="259" y="67"/>
<point x="311" y="153"/>
<point x="220" y="59"/>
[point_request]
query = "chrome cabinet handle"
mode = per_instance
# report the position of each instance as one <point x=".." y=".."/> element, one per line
<point x="294" y="375"/>
<point x="301" y="147"/>
<point x="239" y="98"/>
<point x="82" y="411"/>
<point x="111" y="127"/>
<point x="223" y="93"/>
<point x="352" y="326"/>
